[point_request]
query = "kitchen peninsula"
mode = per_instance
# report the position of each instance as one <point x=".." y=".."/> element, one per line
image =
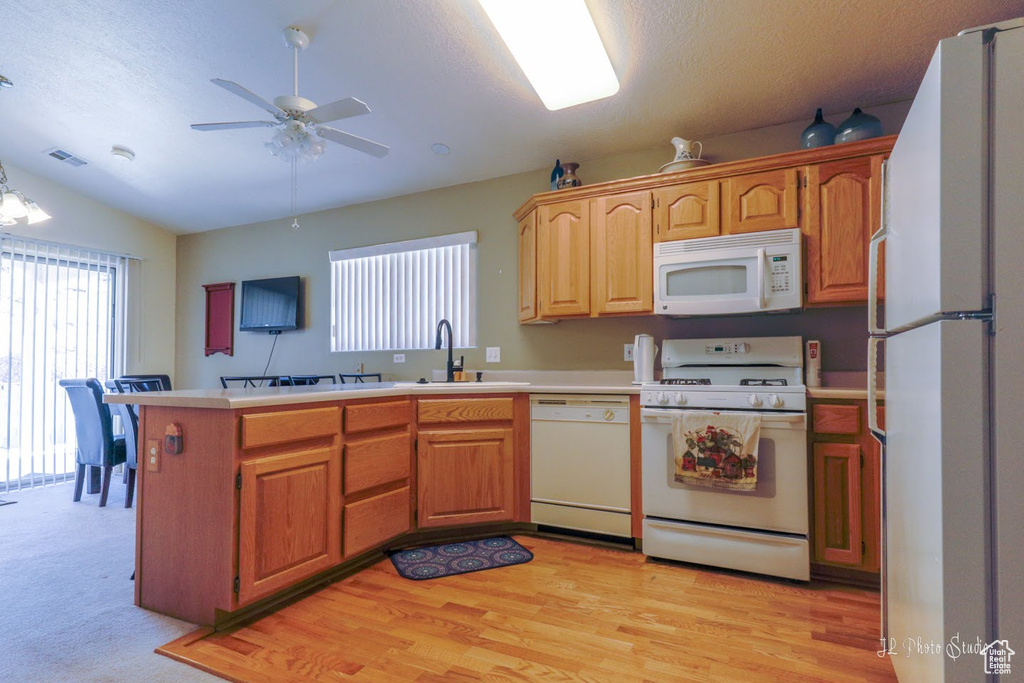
<point x="249" y="496"/>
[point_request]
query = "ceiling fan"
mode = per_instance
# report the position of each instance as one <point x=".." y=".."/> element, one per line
<point x="301" y="121"/>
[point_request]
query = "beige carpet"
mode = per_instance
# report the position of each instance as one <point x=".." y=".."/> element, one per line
<point x="66" y="611"/>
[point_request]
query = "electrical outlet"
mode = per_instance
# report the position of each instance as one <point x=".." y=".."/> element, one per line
<point x="399" y="357"/>
<point x="152" y="455"/>
<point x="493" y="354"/>
<point x="357" y="368"/>
<point x="627" y="352"/>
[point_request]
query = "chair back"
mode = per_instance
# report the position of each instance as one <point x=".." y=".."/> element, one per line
<point x="164" y="381"/>
<point x="92" y="422"/>
<point x="131" y="385"/>
<point x="130" y="422"/>
<point x="307" y="380"/>
<point x="361" y="378"/>
<point x="256" y="381"/>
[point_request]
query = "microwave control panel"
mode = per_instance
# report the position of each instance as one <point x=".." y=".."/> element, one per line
<point x="781" y="272"/>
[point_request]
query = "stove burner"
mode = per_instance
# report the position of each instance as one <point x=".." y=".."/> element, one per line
<point x="763" y="383"/>
<point x="687" y="381"/>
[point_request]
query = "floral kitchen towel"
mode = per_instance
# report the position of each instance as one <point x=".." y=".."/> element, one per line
<point x="716" y="450"/>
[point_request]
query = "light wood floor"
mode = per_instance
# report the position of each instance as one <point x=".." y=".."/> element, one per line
<point x="575" y="613"/>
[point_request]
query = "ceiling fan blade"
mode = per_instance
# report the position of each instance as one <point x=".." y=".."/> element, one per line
<point x="354" y="141"/>
<point x="236" y="89"/>
<point x="234" y="124"/>
<point x="342" y="109"/>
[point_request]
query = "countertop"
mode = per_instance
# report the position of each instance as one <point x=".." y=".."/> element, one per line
<point x="845" y="385"/>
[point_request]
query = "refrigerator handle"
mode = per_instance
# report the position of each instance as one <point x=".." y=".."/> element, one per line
<point x="876" y="241"/>
<point x="873" y="425"/>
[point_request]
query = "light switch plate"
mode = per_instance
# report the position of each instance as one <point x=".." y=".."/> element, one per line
<point x="399" y="357"/>
<point x="493" y="354"/>
<point x="627" y="352"/>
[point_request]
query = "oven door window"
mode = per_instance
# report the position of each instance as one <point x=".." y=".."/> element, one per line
<point x="734" y="278"/>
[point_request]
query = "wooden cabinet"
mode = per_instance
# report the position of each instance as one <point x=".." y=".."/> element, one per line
<point x="842" y="203"/>
<point x="845" y="465"/>
<point x="563" y="259"/>
<point x="465" y="476"/>
<point x="288" y="520"/>
<point x="622" y="257"/>
<point x="528" y="268"/>
<point x="686" y="211"/>
<point x="760" y="201"/>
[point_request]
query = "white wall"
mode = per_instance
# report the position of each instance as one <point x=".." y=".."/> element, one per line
<point x="80" y="221"/>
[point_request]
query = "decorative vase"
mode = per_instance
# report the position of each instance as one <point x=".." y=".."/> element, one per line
<point x="569" y="179"/>
<point x="818" y="134"/>
<point x="556" y="174"/>
<point x="859" y="126"/>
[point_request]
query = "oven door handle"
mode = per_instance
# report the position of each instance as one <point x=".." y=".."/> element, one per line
<point x="768" y="420"/>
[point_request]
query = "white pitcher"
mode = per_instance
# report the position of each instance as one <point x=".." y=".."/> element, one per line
<point x="684" y="149"/>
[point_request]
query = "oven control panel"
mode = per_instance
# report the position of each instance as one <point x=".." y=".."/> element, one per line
<point x="726" y="349"/>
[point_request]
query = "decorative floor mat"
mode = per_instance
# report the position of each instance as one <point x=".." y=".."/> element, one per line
<point x="459" y="558"/>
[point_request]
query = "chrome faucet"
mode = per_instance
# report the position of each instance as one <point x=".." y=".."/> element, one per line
<point x="450" y="367"/>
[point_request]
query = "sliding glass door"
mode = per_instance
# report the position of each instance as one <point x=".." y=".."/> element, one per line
<point x="61" y="316"/>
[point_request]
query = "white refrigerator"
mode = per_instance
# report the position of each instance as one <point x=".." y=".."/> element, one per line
<point x="953" y="443"/>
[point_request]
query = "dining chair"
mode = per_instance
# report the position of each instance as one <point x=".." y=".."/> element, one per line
<point x="165" y="381"/>
<point x="360" y="378"/>
<point x="251" y="381"/>
<point x="307" y="380"/>
<point x="97" y="445"/>
<point x="132" y="385"/>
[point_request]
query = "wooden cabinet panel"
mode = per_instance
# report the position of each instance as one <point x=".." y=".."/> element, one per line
<point x="367" y="416"/>
<point x="843" y="203"/>
<point x="450" y="410"/>
<point x="760" y="201"/>
<point x="682" y="212"/>
<point x="835" y="419"/>
<point x="528" y="268"/>
<point x="289" y="520"/>
<point x="465" y="476"/>
<point x="220" y="318"/>
<point x="563" y="259"/>
<point x="377" y="460"/>
<point x="266" y="429"/>
<point x="375" y="520"/>
<point x="622" y="257"/>
<point x="837" y="503"/>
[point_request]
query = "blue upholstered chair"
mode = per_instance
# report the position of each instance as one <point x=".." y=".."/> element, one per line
<point x="97" y="445"/>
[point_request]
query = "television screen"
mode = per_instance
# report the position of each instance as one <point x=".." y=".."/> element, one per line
<point x="271" y="305"/>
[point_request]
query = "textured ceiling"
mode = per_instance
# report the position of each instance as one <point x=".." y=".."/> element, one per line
<point x="92" y="74"/>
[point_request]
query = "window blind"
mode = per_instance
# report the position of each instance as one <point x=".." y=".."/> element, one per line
<point x="391" y="296"/>
<point x="62" y="310"/>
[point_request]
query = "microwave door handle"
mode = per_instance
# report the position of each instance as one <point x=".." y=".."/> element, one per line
<point x="760" y="278"/>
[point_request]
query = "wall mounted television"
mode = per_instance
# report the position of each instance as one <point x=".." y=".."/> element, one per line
<point x="271" y="305"/>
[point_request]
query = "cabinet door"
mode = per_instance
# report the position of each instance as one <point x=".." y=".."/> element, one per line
<point x="528" y="268"/>
<point x="289" y="520"/>
<point x="682" y="212"/>
<point x="622" y="277"/>
<point x="563" y="259"/>
<point x="465" y="476"/>
<point x="760" y="201"/>
<point x="837" y="503"/>
<point x="843" y="201"/>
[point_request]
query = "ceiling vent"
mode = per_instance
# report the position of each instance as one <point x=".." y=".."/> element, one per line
<point x="66" y="157"/>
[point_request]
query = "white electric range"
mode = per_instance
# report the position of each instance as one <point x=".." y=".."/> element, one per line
<point x="764" y="530"/>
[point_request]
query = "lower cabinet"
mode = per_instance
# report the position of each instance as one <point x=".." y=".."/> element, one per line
<point x="289" y="520"/>
<point x="846" y="490"/>
<point x="371" y="521"/>
<point x="465" y="476"/>
<point x="378" y="503"/>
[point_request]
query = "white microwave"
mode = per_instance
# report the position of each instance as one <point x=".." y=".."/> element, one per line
<point x="756" y="272"/>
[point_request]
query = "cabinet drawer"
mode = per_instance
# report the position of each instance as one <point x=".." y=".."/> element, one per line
<point x="836" y="419"/>
<point x="265" y="429"/>
<point x="361" y="418"/>
<point x="377" y="460"/>
<point x="370" y="522"/>
<point x="441" y="410"/>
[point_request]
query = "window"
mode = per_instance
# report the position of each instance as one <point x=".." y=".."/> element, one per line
<point x="62" y="311"/>
<point x="390" y="296"/>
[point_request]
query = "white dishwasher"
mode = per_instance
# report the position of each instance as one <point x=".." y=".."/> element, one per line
<point x="579" y="468"/>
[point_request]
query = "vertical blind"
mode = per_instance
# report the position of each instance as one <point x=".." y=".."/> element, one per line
<point x="391" y="296"/>
<point x="62" y="310"/>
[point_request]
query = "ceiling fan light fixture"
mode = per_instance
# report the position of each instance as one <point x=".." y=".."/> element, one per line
<point x="14" y="204"/>
<point x="36" y="214"/>
<point x="296" y="141"/>
<point x="531" y="27"/>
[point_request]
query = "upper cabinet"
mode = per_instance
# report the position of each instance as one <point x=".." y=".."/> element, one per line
<point x="622" y="259"/>
<point x="843" y="201"/>
<point x="760" y="201"/>
<point x="588" y="251"/>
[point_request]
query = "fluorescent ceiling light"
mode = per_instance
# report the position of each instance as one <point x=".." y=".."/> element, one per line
<point x="557" y="47"/>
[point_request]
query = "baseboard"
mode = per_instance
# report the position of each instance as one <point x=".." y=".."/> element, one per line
<point x="852" y="577"/>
